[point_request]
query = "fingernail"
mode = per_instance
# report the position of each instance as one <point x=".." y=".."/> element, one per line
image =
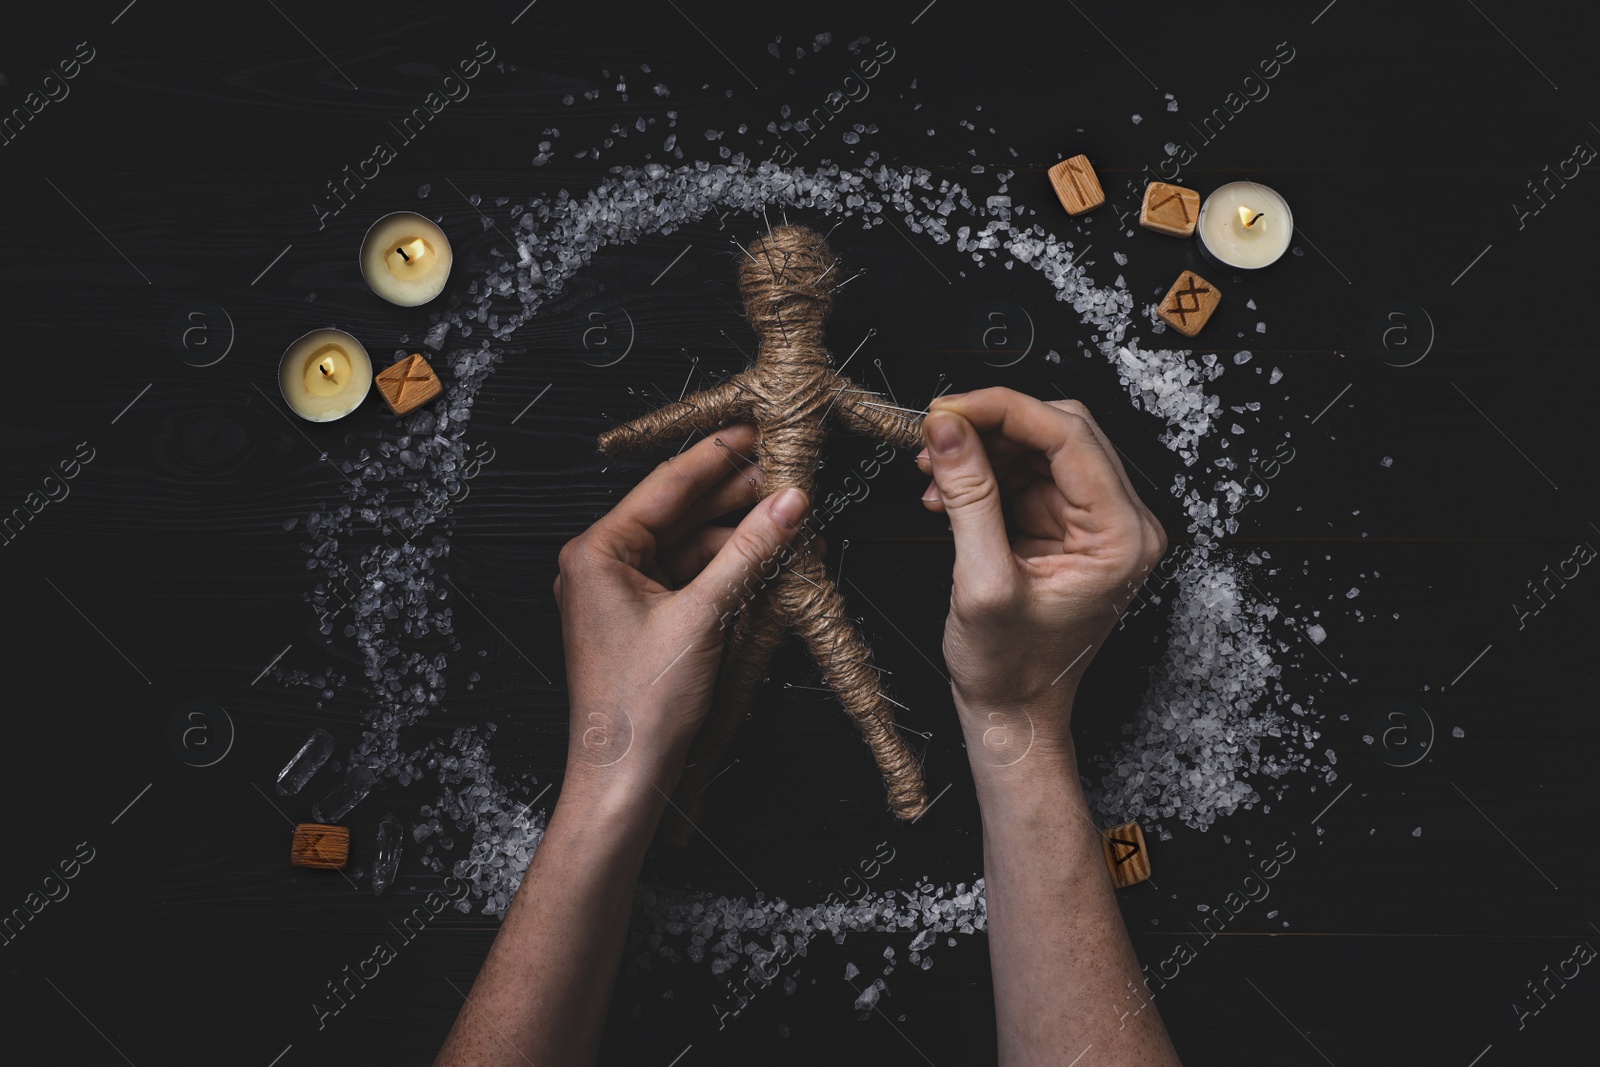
<point x="933" y="491"/>
<point x="944" y="434"/>
<point x="789" y="506"/>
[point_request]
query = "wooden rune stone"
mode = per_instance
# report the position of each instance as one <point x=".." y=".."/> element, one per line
<point x="1189" y="303"/>
<point x="1077" y="185"/>
<point x="1125" y="854"/>
<point x="318" y="845"/>
<point x="408" y="383"/>
<point x="1169" y="209"/>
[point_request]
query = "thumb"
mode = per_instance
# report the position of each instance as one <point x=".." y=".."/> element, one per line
<point x="752" y="556"/>
<point x="971" y="496"/>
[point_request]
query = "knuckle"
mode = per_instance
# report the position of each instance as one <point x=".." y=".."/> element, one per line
<point x="996" y="398"/>
<point x="1160" y="539"/>
<point x="965" y="487"/>
<point x="1073" y="407"/>
<point x="986" y="600"/>
<point x="567" y="558"/>
<point x="575" y="556"/>
<point x="674" y="467"/>
<point x="747" y="553"/>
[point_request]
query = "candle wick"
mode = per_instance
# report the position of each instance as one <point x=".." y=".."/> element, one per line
<point x="1256" y="219"/>
<point x="403" y="254"/>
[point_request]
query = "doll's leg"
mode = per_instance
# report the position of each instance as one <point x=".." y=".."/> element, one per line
<point x="845" y="659"/>
<point x="755" y="636"/>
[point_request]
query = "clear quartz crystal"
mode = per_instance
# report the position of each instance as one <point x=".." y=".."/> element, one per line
<point x="346" y="795"/>
<point x="386" y="859"/>
<point x="305" y="763"/>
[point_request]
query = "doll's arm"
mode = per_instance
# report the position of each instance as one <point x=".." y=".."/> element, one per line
<point x="865" y="412"/>
<point x="705" y="410"/>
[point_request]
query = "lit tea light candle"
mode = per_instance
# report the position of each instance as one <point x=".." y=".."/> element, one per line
<point x="405" y="258"/>
<point x="325" y="375"/>
<point x="1246" y="225"/>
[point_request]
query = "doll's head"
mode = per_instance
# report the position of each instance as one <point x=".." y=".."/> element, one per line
<point x="787" y="279"/>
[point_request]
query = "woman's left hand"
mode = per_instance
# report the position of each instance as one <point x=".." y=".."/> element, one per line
<point x="644" y="594"/>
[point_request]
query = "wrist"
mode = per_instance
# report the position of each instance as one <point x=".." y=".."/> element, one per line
<point x="1003" y="728"/>
<point x="613" y="801"/>
<point x="624" y="745"/>
<point x="1017" y="751"/>
<point x="1018" y="785"/>
<point x="636" y="782"/>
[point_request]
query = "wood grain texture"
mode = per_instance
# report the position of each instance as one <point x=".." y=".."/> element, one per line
<point x="320" y="846"/>
<point x="407" y="384"/>
<point x="1189" y="304"/>
<point x="1126" y="855"/>
<point x="1169" y="209"/>
<point x="1077" y="185"/>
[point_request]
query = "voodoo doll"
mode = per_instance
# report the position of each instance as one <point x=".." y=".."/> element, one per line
<point x="789" y="395"/>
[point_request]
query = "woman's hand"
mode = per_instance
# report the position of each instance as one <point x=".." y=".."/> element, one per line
<point x="644" y="593"/>
<point x="1028" y="610"/>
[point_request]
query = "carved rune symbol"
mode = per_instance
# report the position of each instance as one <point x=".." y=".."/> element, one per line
<point x="1123" y="857"/>
<point x="1183" y="207"/>
<point x="400" y="390"/>
<point x="407" y="384"/>
<point x="1075" y="176"/>
<point x="1193" y="293"/>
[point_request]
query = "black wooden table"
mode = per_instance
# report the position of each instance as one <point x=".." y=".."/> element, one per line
<point x="170" y="230"/>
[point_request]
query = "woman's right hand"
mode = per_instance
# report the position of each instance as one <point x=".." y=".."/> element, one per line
<point x="1028" y="612"/>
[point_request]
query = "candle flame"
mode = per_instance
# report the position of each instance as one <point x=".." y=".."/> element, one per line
<point x="1248" y="217"/>
<point x="410" y="257"/>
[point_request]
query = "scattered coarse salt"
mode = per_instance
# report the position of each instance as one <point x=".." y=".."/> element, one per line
<point x="1215" y="717"/>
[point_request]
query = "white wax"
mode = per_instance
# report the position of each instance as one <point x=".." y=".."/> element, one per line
<point x="406" y="258"/>
<point x="325" y="375"/>
<point x="1225" y="235"/>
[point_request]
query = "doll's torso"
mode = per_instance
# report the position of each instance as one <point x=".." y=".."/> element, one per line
<point x="788" y="408"/>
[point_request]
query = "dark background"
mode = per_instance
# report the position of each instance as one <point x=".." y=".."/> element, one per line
<point x="187" y="157"/>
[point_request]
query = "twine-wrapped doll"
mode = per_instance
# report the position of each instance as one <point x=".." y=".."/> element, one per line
<point x="789" y="394"/>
